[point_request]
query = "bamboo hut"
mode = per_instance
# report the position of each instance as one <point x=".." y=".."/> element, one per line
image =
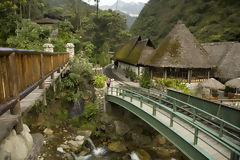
<point x="180" y="56"/>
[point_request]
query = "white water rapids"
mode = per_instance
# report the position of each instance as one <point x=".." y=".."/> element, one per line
<point x="99" y="152"/>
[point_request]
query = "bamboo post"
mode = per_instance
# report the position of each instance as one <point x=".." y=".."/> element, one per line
<point x="16" y="110"/>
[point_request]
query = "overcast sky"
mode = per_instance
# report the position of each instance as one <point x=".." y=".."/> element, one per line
<point x="110" y="2"/>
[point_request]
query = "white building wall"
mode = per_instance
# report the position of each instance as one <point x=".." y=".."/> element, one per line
<point x="137" y="70"/>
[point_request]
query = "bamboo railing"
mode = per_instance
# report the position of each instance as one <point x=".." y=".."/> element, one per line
<point x="21" y="71"/>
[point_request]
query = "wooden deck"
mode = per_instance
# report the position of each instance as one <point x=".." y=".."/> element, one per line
<point x="8" y="121"/>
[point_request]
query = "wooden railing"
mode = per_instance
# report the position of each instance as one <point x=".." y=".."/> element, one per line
<point x="21" y="71"/>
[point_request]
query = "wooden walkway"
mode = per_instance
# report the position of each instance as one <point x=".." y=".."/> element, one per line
<point x="25" y="75"/>
<point x="8" y="121"/>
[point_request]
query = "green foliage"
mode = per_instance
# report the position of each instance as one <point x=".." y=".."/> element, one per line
<point x="90" y="110"/>
<point x="29" y="36"/>
<point x="65" y="35"/>
<point x="79" y="79"/>
<point x="129" y="73"/>
<point x="105" y="33"/>
<point x="99" y="81"/>
<point x="39" y="107"/>
<point x="145" y="80"/>
<point x="173" y="83"/>
<point x="209" y="21"/>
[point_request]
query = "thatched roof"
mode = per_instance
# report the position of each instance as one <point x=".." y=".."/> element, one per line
<point x="180" y="49"/>
<point x="226" y="56"/>
<point x="212" y="84"/>
<point x="126" y="49"/>
<point x="140" y="53"/>
<point x="234" y="83"/>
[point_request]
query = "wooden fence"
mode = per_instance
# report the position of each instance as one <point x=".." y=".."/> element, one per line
<point x="21" y="71"/>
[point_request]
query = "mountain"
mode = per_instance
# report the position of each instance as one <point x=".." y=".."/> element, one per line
<point x="208" y="20"/>
<point x="129" y="19"/>
<point x="132" y="8"/>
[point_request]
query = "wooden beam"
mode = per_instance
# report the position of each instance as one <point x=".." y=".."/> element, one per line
<point x="16" y="110"/>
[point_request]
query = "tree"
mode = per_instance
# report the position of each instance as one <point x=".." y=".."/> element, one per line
<point x="30" y="35"/>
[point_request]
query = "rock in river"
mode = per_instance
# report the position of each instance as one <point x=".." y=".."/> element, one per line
<point x="117" y="146"/>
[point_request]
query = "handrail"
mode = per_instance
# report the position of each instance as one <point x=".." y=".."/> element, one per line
<point x="173" y="111"/>
<point x="198" y="110"/>
<point x="21" y="71"/>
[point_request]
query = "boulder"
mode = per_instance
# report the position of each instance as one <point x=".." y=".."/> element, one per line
<point x="17" y="147"/>
<point x="139" y="139"/>
<point x="80" y="138"/>
<point x="165" y="152"/>
<point x="121" y="128"/>
<point x="106" y="119"/>
<point x="143" y="155"/>
<point x="159" y="140"/>
<point x="117" y="146"/>
<point x="86" y="133"/>
<point x="48" y="131"/>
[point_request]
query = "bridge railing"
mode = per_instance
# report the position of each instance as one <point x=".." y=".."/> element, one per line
<point x="21" y="71"/>
<point x="174" y="112"/>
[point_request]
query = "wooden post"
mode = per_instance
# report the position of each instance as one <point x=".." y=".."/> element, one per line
<point x="208" y="74"/>
<point x="52" y="67"/>
<point x="16" y="110"/>
<point x="42" y="85"/>
<point x="165" y="73"/>
<point x="59" y="69"/>
<point x="189" y="75"/>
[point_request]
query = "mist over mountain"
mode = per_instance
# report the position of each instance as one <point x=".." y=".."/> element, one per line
<point x="132" y="8"/>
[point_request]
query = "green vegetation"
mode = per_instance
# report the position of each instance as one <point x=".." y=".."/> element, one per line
<point x="173" y="83"/>
<point x="145" y="80"/>
<point x="77" y="22"/>
<point x="80" y="78"/>
<point x="208" y="20"/>
<point x="130" y="74"/>
<point x="99" y="81"/>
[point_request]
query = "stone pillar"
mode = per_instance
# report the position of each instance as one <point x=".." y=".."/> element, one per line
<point x="70" y="50"/>
<point x="100" y="95"/>
<point x="48" y="47"/>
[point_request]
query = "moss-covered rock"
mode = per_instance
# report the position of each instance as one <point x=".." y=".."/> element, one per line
<point x="117" y="146"/>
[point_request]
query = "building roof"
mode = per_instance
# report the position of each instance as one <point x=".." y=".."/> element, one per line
<point x="126" y="49"/>
<point x="226" y="56"/>
<point x="180" y="49"/>
<point x="46" y="21"/>
<point x="140" y="53"/>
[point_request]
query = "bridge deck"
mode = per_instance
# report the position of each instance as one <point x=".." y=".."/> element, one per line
<point x="8" y="121"/>
<point x="185" y="130"/>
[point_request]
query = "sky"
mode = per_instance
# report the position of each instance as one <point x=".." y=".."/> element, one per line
<point x="110" y="2"/>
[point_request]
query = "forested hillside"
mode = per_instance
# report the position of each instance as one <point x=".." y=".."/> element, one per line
<point x="74" y="22"/>
<point x="208" y="20"/>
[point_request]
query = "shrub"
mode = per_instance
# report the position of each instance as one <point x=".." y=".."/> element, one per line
<point x="173" y="83"/>
<point x="145" y="80"/>
<point x="99" y="81"/>
<point x="130" y="74"/>
<point x="90" y="110"/>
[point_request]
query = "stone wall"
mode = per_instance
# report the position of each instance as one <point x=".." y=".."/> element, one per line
<point x="100" y="95"/>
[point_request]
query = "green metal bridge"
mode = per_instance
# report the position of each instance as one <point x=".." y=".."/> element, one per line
<point x="201" y="129"/>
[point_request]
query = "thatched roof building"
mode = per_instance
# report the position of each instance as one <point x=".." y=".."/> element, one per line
<point x="226" y="57"/>
<point x="180" y="49"/>
<point x="126" y="49"/>
<point x="140" y="53"/>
